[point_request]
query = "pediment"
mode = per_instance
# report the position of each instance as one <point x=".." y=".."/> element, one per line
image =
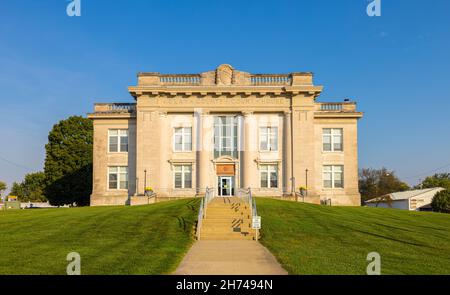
<point x="225" y="159"/>
<point x="225" y="75"/>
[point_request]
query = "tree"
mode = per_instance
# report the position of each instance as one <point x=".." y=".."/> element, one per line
<point x="379" y="182"/>
<point x="16" y="190"/>
<point x="31" y="189"/>
<point x="437" y="180"/>
<point x="441" y="202"/>
<point x="3" y="188"/>
<point x="68" y="162"/>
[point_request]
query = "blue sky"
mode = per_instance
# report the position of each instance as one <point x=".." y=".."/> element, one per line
<point x="395" y="66"/>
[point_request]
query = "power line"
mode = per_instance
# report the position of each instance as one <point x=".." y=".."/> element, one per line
<point x="16" y="164"/>
<point x="428" y="172"/>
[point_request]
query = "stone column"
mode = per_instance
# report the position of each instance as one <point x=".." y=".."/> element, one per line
<point x="248" y="149"/>
<point x="148" y="129"/>
<point x="287" y="152"/>
<point x="203" y="151"/>
<point x="165" y="181"/>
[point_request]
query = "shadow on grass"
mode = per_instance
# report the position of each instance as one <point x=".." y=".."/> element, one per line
<point x="389" y="238"/>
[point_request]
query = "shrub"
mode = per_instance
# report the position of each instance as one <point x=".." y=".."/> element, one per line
<point x="441" y="202"/>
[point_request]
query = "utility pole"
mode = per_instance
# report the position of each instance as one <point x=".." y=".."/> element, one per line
<point x="145" y="180"/>
<point x="293" y="185"/>
<point x="306" y="181"/>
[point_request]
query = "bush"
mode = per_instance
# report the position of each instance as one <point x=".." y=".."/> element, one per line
<point x="441" y="202"/>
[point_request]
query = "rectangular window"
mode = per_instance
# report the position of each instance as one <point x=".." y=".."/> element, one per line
<point x="333" y="176"/>
<point x="332" y="139"/>
<point x="269" y="176"/>
<point x="268" y="138"/>
<point x="225" y="136"/>
<point x="118" y="140"/>
<point x="183" y="176"/>
<point x="117" y="178"/>
<point x="182" y="138"/>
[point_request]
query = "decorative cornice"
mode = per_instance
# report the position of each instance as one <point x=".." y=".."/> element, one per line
<point x="137" y="91"/>
<point x="111" y="115"/>
<point x="356" y="115"/>
<point x="260" y="161"/>
<point x="225" y="159"/>
<point x="181" y="161"/>
<point x="224" y="79"/>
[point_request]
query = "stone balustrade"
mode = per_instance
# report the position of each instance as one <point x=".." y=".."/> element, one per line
<point x="336" y="106"/>
<point x="115" y="107"/>
<point x="268" y="79"/>
<point x="188" y="79"/>
<point x="226" y="75"/>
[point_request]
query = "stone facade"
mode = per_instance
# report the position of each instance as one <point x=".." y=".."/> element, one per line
<point x="253" y="112"/>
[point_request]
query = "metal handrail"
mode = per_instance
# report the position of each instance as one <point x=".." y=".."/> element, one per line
<point x="150" y="196"/>
<point x="247" y="197"/>
<point x="254" y="210"/>
<point x="299" y="195"/>
<point x="209" y="195"/>
<point x="200" y="219"/>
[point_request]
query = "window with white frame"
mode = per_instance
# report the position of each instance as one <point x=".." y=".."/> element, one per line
<point x="268" y="138"/>
<point x="117" y="177"/>
<point x="225" y="136"/>
<point x="118" y="140"/>
<point x="332" y="139"/>
<point x="269" y="176"/>
<point x="333" y="176"/>
<point x="182" y="176"/>
<point x="182" y="138"/>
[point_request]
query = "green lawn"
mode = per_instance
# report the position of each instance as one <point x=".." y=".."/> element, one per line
<point x="111" y="240"/>
<point x="313" y="239"/>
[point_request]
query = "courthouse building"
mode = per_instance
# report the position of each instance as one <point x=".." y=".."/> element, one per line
<point x="225" y="129"/>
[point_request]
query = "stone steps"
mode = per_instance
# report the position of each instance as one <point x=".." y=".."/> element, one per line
<point x="227" y="236"/>
<point x="227" y="214"/>
<point x="227" y="210"/>
<point x="227" y="219"/>
<point x="226" y="230"/>
<point x="222" y="223"/>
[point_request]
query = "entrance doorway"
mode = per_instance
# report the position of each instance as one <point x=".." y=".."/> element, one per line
<point x="226" y="186"/>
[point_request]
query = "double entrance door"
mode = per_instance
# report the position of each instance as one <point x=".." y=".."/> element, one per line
<point x="226" y="186"/>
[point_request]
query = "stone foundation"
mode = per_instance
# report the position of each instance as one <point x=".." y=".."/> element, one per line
<point x="109" y="200"/>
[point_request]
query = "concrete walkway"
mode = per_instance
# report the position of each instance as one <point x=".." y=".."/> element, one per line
<point x="229" y="258"/>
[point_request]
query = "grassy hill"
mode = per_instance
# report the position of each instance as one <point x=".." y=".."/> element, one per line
<point x="306" y="239"/>
<point x="111" y="240"/>
<point x="312" y="239"/>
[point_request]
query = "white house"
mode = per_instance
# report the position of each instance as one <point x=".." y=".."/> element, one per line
<point x="415" y="200"/>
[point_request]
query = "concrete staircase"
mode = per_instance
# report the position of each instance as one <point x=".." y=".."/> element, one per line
<point x="227" y="218"/>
